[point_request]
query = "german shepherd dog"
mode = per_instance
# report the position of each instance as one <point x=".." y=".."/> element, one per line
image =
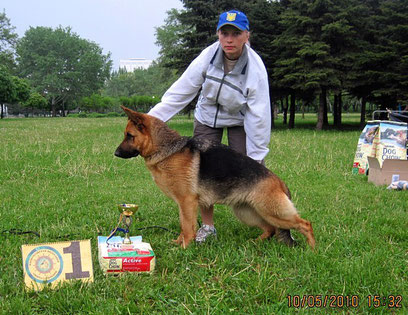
<point x="196" y="173"/>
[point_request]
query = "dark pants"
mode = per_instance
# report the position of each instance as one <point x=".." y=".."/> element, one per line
<point x="236" y="135"/>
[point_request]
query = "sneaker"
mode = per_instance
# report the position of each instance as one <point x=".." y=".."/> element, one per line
<point x="204" y="232"/>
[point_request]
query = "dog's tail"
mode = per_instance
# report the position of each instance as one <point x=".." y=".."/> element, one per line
<point x="284" y="235"/>
<point x="290" y="215"/>
<point x="279" y="211"/>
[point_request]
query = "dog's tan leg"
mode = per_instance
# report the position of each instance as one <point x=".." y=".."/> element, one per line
<point x="247" y="214"/>
<point x="188" y="208"/>
<point x="268" y="229"/>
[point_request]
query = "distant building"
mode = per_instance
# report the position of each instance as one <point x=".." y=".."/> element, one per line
<point x="135" y="63"/>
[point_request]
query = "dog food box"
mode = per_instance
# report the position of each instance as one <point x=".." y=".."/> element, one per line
<point x="115" y="257"/>
<point x="383" y="140"/>
<point x="391" y="141"/>
<point x="365" y="147"/>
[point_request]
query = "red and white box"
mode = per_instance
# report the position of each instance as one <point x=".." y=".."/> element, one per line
<point x="115" y="257"/>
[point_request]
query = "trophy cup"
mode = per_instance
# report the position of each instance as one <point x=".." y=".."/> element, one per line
<point x="126" y="211"/>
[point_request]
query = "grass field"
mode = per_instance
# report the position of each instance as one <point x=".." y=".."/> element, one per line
<point x="59" y="177"/>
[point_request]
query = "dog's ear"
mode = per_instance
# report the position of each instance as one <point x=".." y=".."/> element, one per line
<point x="137" y="118"/>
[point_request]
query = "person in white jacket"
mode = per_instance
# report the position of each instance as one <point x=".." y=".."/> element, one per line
<point x="234" y="96"/>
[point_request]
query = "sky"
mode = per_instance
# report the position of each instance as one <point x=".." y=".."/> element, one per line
<point x="125" y="28"/>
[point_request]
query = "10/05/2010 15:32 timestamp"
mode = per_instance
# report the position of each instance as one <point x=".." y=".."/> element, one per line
<point x="341" y="301"/>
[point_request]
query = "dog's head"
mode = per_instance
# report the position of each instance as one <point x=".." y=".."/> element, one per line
<point x="137" y="136"/>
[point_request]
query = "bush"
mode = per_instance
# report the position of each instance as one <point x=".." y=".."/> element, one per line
<point x="96" y="115"/>
<point x="114" y="114"/>
<point x="73" y="115"/>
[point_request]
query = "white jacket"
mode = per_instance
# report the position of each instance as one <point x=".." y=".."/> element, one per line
<point x="238" y="98"/>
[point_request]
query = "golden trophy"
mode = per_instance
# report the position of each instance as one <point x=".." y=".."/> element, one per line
<point x="127" y="210"/>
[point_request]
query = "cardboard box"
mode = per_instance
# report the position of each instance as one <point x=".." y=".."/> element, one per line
<point x="383" y="175"/>
<point x="116" y="257"/>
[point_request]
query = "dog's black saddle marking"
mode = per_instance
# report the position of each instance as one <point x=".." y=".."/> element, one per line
<point x="225" y="168"/>
<point x="223" y="164"/>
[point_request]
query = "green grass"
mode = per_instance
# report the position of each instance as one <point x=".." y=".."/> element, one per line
<point x="59" y="177"/>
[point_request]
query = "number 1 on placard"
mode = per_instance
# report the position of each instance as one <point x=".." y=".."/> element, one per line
<point x="75" y="250"/>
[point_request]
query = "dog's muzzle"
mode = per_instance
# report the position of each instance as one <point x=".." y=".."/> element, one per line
<point x="125" y="154"/>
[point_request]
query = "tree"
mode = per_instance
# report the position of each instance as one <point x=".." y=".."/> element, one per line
<point x="343" y="35"/>
<point x="391" y="54"/>
<point x="169" y="38"/>
<point x="60" y="65"/>
<point x="264" y="17"/>
<point x="7" y="89"/>
<point x="152" y="81"/>
<point x="12" y="89"/>
<point x="306" y="63"/>
<point x="360" y="82"/>
<point x="200" y="18"/>
<point x="35" y="101"/>
<point x="95" y="102"/>
<point x="8" y="41"/>
<point x="22" y="90"/>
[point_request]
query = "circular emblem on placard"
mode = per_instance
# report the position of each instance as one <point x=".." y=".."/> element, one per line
<point x="44" y="264"/>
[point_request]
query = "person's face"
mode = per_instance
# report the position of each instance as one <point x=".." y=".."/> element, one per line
<point x="232" y="41"/>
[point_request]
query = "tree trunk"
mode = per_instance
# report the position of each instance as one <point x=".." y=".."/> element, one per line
<point x="53" y="107"/>
<point x="325" y="111"/>
<point x="272" y="115"/>
<point x="281" y="104"/>
<point x="63" y="108"/>
<point x="340" y="110"/>
<point x="292" y="111"/>
<point x="337" y="108"/>
<point x="2" y="113"/>
<point x="363" y="111"/>
<point x="273" y="105"/>
<point x="285" y="110"/>
<point x="322" y="121"/>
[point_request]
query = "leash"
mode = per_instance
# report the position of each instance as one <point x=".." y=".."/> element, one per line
<point x="113" y="232"/>
<point x="20" y="232"/>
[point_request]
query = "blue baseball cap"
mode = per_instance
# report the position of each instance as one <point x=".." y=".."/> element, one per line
<point x="234" y="18"/>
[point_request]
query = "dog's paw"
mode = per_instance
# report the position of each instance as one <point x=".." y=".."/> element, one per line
<point x="179" y="240"/>
<point x="182" y="241"/>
